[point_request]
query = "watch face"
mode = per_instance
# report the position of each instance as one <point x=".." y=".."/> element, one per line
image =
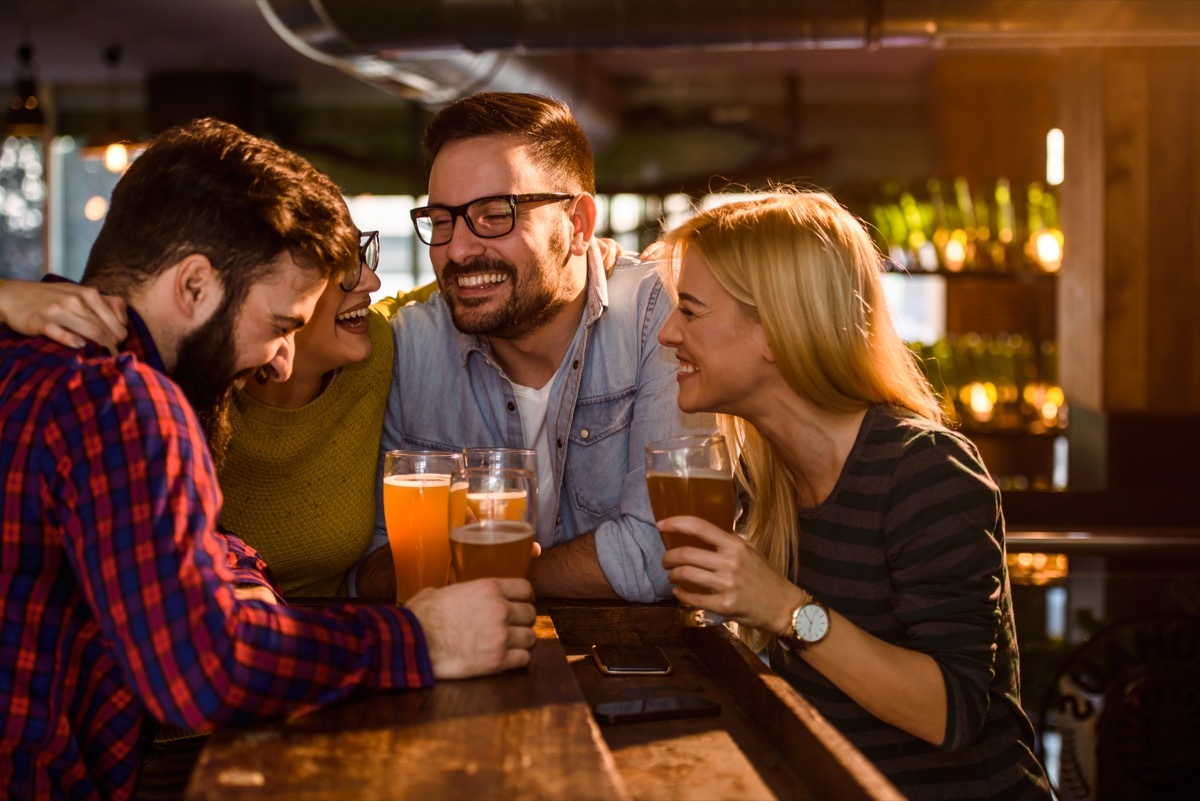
<point x="812" y="623"/>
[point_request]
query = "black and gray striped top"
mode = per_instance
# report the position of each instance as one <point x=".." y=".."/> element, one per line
<point x="910" y="547"/>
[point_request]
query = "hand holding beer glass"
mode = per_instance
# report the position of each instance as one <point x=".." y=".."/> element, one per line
<point x="416" y="503"/>
<point x="492" y="514"/>
<point x="691" y="476"/>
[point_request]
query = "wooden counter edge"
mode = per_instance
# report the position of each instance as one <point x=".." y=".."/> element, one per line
<point x="817" y="751"/>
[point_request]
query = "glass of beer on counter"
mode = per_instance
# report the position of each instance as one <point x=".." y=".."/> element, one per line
<point x="416" y="505"/>
<point x="691" y="476"/>
<point x="511" y="458"/>
<point x="492" y="522"/>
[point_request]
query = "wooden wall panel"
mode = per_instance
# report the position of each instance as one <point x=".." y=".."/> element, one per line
<point x="1126" y="195"/>
<point x="991" y="112"/>
<point x="1173" y="246"/>
<point x="1081" y="285"/>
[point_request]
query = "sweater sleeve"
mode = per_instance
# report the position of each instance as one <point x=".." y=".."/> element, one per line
<point x="944" y="538"/>
<point x="390" y="305"/>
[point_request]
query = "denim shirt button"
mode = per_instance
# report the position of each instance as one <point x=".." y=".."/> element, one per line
<point x="583" y="434"/>
<point x="512" y="407"/>
<point x="559" y="443"/>
<point x="575" y="364"/>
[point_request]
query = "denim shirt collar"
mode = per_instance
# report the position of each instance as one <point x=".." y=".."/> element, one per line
<point x="597" y="302"/>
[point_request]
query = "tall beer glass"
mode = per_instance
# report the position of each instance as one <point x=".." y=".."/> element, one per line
<point x="416" y="504"/>
<point x="492" y="527"/>
<point x="691" y="476"/>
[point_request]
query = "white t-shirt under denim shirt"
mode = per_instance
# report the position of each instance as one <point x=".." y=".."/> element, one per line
<point x="533" y="404"/>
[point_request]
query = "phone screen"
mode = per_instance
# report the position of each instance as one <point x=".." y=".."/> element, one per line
<point x="666" y="707"/>
<point x="645" y="660"/>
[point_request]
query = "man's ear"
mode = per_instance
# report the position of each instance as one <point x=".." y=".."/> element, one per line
<point x="583" y="223"/>
<point x="196" y="289"/>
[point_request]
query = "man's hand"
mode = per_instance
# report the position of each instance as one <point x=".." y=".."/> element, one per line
<point x="254" y="592"/>
<point x="477" y="627"/>
<point x="610" y="251"/>
<point x="66" y="313"/>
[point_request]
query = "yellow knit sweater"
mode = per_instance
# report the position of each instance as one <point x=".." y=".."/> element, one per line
<point x="299" y="484"/>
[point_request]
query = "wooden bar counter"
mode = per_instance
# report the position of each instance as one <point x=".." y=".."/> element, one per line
<point x="530" y="734"/>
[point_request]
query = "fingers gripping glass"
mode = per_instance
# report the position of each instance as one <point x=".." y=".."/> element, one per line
<point x="368" y="254"/>
<point x="487" y="217"/>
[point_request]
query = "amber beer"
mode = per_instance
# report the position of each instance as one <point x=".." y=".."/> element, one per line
<point x="415" y="507"/>
<point x="491" y="548"/>
<point x="707" y="494"/>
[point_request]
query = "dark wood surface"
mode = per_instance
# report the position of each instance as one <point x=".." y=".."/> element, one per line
<point x="767" y="742"/>
<point x="523" y="734"/>
<point x="530" y="734"/>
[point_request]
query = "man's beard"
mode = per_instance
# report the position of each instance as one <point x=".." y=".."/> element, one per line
<point x="532" y="302"/>
<point x="204" y="370"/>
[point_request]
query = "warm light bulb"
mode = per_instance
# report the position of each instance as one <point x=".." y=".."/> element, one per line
<point x="116" y="157"/>
<point x="1049" y="248"/>
<point x="95" y="208"/>
<point x="1055" y="165"/>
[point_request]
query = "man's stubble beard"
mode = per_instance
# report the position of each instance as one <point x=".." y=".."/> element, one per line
<point x="204" y="370"/>
<point x="532" y="303"/>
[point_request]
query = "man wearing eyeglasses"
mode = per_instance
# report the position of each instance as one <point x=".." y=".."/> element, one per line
<point x="529" y="344"/>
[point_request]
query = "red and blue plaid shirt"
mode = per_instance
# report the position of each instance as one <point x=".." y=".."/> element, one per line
<point x="116" y="589"/>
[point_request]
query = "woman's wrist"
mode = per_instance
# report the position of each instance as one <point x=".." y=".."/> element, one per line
<point x="796" y="599"/>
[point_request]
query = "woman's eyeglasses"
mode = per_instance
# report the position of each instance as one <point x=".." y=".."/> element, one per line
<point x="368" y="254"/>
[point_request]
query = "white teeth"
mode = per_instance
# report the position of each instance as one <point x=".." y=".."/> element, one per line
<point x="481" y="278"/>
<point x="352" y="315"/>
<point x="684" y="367"/>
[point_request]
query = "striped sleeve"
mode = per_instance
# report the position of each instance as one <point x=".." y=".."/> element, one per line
<point x="946" y="560"/>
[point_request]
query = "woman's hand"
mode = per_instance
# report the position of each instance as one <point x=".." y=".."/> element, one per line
<point x="66" y="313"/>
<point x="737" y="581"/>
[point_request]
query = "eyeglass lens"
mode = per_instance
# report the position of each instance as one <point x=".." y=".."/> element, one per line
<point x="368" y="254"/>
<point x="487" y="218"/>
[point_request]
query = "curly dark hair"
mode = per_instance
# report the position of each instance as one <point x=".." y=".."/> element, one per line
<point x="209" y="187"/>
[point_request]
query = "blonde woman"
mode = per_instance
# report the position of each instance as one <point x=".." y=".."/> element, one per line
<point x="873" y="559"/>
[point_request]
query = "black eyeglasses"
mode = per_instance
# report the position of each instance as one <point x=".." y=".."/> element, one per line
<point x="368" y="254"/>
<point x="487" y="217"/>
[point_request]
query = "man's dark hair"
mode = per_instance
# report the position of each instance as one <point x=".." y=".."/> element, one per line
<point x="209" y="187"/>
<point x="557" y="144"/>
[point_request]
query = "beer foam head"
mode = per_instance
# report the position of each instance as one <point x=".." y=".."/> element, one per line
<point x="496" y="495"/>
<point x="492" y="532"/>
<point x="418" y="480"/>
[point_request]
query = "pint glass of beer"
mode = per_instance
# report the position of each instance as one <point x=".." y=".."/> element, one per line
<point x="416" y="504"/>
<point x="493" y="533"/>
<point x="510" y="458"/>
<point x="691" y="476"/>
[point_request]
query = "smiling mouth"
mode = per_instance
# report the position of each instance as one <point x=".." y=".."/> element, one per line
<point x="353" y="316"/>
<point x="480" y="280"/>
<point x="687" y="368"/>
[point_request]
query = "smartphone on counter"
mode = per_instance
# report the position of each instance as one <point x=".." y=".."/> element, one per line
<point x="667" y="707"/>
<point x="631" y="660"/>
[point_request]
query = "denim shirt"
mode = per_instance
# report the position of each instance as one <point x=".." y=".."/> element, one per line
<point x="615" y="393"/>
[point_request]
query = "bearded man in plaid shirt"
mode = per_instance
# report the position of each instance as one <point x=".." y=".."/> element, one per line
<point x="122" y="604"/>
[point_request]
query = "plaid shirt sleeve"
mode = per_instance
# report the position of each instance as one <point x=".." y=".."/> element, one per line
<point x="138" y="504"/>
<point x="247" y="566"/>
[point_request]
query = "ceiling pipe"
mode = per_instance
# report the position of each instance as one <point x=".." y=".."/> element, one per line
<point x="435" y="51"/>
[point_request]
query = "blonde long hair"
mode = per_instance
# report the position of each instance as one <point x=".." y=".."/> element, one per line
<point x="807" y="270"/>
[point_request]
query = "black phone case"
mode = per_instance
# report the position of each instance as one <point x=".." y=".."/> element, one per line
<point x="669" y="707"/>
